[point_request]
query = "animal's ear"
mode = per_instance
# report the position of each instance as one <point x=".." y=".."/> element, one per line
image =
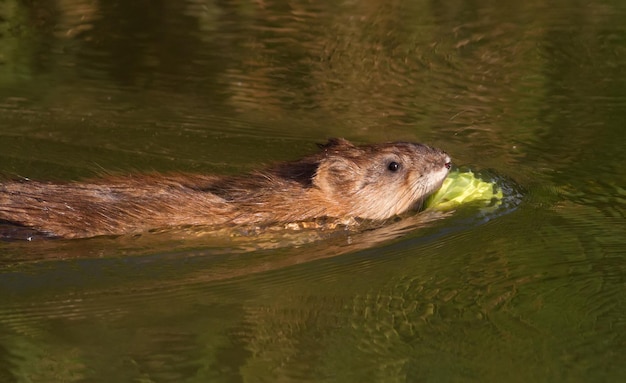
<point x="334" y="144"/>
<point x="335" y="175"/>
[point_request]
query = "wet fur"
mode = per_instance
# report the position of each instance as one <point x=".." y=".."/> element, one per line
<point x="340" y="181"/>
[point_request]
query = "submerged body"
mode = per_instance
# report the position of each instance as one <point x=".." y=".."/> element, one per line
<point x="341" y="181"/>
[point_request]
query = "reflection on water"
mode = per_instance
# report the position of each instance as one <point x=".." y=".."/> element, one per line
<point x="534" y="91"/>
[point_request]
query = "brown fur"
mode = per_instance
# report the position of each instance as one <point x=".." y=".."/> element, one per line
<point x="341" y="181"/>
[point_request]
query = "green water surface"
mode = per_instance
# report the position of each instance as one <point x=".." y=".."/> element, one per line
<point x="531" y="94"/>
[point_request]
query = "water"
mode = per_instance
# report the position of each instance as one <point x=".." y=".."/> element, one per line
<point x="533" y="93"/>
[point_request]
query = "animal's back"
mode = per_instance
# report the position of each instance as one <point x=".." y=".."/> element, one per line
<point x="111" y="205"/>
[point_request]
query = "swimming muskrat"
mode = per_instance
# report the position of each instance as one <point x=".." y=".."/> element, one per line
<point x="341" y="181"/>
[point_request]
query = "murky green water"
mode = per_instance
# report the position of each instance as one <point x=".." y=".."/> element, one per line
<point x="531" y="92"/>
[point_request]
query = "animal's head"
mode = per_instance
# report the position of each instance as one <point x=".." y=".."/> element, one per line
<point x="381" y="180"/>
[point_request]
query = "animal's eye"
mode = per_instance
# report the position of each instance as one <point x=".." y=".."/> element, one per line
<point x="393" y="166"/>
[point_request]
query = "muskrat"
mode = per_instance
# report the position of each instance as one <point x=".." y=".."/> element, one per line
<point x="341" y="181"/>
